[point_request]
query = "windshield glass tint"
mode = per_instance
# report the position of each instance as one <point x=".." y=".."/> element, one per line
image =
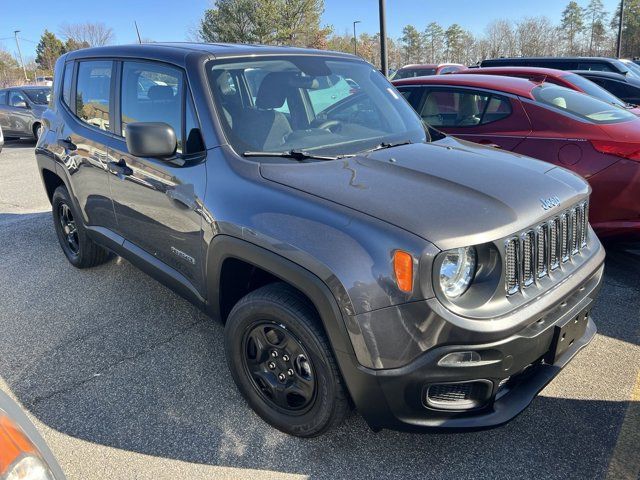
<point x="581" y="105"/>
<point x="39" y="96"/>
<point x="413" y="72"/>
<point x="593" y="89"/>
<point x="318" y="104"/>
<point x="633" y="67"/>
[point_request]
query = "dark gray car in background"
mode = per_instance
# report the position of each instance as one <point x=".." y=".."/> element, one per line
<point x="356" y="256"/>
<point x="21" y="109"/>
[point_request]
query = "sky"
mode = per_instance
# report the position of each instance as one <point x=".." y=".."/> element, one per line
<point x="164" y="20"/>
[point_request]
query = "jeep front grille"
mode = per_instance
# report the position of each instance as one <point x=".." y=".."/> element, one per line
<point x="540" y="250"/>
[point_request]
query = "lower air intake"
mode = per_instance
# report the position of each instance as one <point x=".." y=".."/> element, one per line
<point x="458" y="396"/>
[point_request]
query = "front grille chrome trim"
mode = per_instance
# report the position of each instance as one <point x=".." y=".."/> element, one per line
<point x="541" y="250"/>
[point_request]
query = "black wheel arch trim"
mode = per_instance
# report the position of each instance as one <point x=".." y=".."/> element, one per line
<point x="359" y="381"/>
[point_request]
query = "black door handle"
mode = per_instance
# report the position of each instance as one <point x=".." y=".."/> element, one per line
<point x="120" y="168"/>
<point x="67" y="144"/>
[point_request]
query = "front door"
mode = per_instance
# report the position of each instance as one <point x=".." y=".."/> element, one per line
<point x="158" y="201"/>
<point x="18" y="114"/>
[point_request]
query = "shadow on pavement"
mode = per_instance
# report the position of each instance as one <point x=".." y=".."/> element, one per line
<point x="110" y="356"/>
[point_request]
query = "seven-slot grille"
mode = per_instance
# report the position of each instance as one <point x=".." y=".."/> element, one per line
<point x="545" y="247"/>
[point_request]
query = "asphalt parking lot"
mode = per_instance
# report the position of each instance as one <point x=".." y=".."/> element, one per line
<point x="127" y="380"/>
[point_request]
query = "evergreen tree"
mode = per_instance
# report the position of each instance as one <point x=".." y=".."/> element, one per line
<point x="434" y="42"/>
<point x="572" y="24"/>
<point x="411" y="44"/>
<point x="48" y="50"/>
<point x="596" y="18"/>
<point x="455" y="37"/>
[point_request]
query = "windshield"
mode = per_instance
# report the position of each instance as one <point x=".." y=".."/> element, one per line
<point x="593" y="89"/>
<point x="39" y="96"/>
<point x="309" y="103"/>
<point x="632" y="66"/>
<point x="413" y="72"/>
<point x="581" y="105"/>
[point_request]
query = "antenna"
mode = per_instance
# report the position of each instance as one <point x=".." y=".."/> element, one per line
<point x="137" y="31"/>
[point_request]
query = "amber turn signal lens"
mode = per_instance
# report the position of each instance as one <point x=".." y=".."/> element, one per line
<point x="13" y="444"/>
<point x="403" y="268"/>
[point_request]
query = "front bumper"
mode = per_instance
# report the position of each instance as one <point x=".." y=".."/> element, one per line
<point x="522" y="364"/>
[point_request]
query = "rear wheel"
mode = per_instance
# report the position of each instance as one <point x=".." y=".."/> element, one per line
<point x="80" y="250"/>
<point x="282" y="362"/>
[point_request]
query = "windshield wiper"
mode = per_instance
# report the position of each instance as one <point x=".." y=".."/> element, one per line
<point x="385" y="145"/>
<point x="299" y="155"/>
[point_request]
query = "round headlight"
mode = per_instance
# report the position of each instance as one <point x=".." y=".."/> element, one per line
<point x="457" y="270"/>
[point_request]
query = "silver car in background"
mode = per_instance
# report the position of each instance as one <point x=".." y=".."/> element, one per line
<point x="21" y="109"/>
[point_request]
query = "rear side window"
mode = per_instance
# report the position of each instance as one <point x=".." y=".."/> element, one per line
<point x="93" y="93"/>
<point x="413" y="72"/>
<point x="454" y="108"/>
<point x="152" y="92"/>
<point x="3" y="98"/>
<point x="595" y="66"/>
<point x="580" y="104"/>
<point x="66" y="83"/>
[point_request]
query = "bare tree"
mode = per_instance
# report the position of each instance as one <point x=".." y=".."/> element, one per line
<point x="501" y="39"/>
<point x="96" y="34"/>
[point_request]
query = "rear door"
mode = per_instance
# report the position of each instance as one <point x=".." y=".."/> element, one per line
<point x="484" y="117"/>
<point x="158" y="202"/>
<point x="85" y="136"/>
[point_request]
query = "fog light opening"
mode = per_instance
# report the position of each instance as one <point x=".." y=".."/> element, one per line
<point x="461" y="359"/>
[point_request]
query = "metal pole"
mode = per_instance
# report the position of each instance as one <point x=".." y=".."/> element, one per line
<point x="619" y="46"/>
<point x="355" y="38"/>
<point x="383" y="40"/>
<point x="24" y="70"/>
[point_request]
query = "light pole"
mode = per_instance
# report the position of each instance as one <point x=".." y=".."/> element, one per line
<point x="355" y="38"/>
<point x="619" y="45"/>
<point x="383" y="40"/>
<point x="24" y="70"/>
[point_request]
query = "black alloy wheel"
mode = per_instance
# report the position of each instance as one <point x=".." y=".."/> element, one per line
<point x="279" y="367"/>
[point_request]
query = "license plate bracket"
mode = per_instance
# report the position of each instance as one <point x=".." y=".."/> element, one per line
<point x="565" y="335"/>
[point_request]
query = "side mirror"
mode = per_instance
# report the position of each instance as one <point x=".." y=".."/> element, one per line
<point x="21" y="104"/>
<point x="150" y="139"/>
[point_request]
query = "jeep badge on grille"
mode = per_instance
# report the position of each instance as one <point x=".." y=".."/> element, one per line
<point x="549" y="203"/>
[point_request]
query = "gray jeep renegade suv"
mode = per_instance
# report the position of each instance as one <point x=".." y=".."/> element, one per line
<point x="355" y="255"/>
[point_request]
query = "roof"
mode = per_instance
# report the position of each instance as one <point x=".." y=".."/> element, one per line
<point x="178" y="50"/>
<point x="558" y="59"/>
<point x="513" y="85"/>
<point x="549" y="72"/>
<point x="425" y="66"/>
<point x="27" y="87"/>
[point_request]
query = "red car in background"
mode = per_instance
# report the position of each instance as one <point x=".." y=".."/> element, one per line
<point x="558" y="77"/>
<point x="425" y="69"/>
<point x="595" y="139"/>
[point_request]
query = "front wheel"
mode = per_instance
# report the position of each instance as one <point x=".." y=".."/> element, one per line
<point x="282" y="363"/>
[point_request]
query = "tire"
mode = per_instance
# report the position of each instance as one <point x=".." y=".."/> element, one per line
<point x="82" y="252"/>
<point x="280" y="311"/>
<point x="37" y="131"/>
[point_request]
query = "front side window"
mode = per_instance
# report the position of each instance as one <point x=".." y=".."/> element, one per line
<point x="93" y="93"/>
<point x="17" y="99"/>
<point x="3" y="98"/>
<point x="39" y="96"/>
<point x="152" y="92"/>
<point x="583" y="106"/>
<point x="456" y="108"/>
<point x="277" y="104"/>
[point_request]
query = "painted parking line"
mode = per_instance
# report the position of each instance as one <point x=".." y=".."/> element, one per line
<point x="625" y="460"/>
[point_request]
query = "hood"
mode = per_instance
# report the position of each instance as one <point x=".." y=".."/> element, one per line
<point x="452" y="193"/>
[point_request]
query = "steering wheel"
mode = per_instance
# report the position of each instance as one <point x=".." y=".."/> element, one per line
<point x="327" y="124"/>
